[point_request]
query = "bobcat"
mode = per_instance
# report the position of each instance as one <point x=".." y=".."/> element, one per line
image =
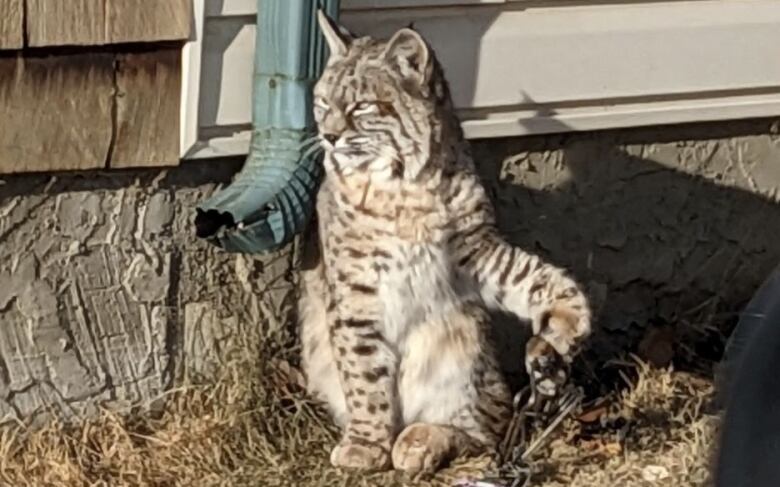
<point x="406" y="261"/>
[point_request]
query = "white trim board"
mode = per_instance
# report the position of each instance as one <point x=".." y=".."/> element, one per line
<point x="515" y="70"/>
<point x="190" y="86"/>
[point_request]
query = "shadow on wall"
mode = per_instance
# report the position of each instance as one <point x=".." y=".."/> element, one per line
<point x="670" y="227"/>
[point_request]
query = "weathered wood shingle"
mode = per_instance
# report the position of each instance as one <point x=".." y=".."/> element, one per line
<point x="89" y="111"/>
<point x="11" y="24"/>
<point x="55" y="112"/>
<point x="93" y="22"/>
<point x="148" y="20"/>
<point x="147" y="116"/>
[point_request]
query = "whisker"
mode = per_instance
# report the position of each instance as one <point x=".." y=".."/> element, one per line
<point x="312" y="151"/>
<point x="309" y="141"/>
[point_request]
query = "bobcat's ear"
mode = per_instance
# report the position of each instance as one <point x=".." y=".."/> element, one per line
<point x="337" y="37"/>
<point x="408" y="52"/>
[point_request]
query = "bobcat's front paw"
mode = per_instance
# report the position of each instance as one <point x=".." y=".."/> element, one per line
<point x="360" y="454"/>
<point x="423" y="448"/>
<point x="564" y="328"/>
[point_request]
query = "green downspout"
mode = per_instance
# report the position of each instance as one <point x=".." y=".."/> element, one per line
<point x="272" y="197"/>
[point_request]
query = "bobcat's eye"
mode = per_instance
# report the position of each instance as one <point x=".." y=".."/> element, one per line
<point x="320" y="107"/>
<point x="363" y="108"/>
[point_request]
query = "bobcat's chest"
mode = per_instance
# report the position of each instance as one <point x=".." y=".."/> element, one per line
<point x="419" y="285"/>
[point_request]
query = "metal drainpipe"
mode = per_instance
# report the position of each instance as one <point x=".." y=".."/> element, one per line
<point x="272" y="197"/>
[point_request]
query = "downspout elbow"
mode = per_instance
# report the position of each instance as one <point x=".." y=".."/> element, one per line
<point x="272" y="197"/>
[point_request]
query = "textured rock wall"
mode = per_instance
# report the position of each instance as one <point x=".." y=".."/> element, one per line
<point x="106" y="296"/>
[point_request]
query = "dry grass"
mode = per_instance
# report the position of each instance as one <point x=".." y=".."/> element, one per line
<point x="255" y="427"/>
<point x="655" y="432"/>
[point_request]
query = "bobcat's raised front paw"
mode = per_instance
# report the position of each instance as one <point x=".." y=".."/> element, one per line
<point x="360" y="454"/>
<point x="564" y="328"/>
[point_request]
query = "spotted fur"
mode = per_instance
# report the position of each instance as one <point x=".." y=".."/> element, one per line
<point x="406" y="262"/>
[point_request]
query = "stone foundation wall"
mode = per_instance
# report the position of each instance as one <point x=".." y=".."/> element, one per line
<point x="106" y="295"/>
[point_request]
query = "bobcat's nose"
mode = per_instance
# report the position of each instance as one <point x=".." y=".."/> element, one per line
<point x="331" y="138"/>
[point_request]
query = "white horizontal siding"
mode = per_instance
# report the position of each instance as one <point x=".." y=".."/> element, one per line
<point x="522" y="67"/>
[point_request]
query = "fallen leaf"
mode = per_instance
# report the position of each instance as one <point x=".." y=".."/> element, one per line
<point x="594" y="414"/>
<point x="601" y="447"/>
<point x="285" y="375"/>
<point x="654" y="473"/>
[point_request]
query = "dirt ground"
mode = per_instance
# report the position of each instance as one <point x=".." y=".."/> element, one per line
<point x="651" y="427"/>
